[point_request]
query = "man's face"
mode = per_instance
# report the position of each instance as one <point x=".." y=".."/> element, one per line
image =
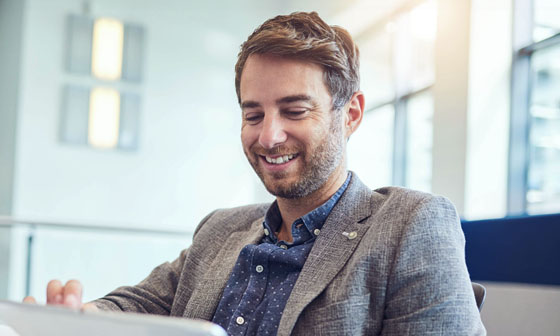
<point x="289" y="134"/>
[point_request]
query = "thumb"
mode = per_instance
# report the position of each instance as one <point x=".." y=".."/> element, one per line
<point x="89" y="307"/>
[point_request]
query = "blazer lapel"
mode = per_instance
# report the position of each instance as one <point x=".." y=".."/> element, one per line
<point x="207" y="295"/>
<point x="339" y="237"/>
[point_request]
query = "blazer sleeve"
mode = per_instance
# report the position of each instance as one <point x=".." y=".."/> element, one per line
<point x="153" y="295"/>
<point x="429" y="290"/>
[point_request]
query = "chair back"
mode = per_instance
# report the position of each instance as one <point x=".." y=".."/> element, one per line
<point x="479" y="294"/>
<point x="522" y="249"/>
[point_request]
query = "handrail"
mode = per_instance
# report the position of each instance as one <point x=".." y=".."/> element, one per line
<point x="10" y="221"/>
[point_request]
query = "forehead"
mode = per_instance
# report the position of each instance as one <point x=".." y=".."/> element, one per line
<point x="272" y="77"/>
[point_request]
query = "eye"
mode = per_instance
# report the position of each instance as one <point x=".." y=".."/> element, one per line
<point x="295" y="114"/>
<point x="253" y="118"/>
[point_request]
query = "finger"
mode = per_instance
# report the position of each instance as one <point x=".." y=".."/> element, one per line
<point x="54" y="292"/>
<point x="89" y="307"/>
<point x="29" y="299"/>
<point x="72" y="296"/>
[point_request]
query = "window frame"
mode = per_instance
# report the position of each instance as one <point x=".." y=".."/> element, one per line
<point x="400" y="98"/>
<point x="521" y="90"/>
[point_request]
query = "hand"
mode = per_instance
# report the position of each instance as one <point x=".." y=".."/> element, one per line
<point x="69" y="295"/>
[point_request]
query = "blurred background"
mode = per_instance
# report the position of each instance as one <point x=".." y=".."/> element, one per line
<point x="119" y="130"/>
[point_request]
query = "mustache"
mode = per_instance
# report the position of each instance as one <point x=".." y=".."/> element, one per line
<point x="278" y="150"/>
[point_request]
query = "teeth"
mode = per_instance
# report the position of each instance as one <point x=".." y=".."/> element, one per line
<point x="280" y="159"/>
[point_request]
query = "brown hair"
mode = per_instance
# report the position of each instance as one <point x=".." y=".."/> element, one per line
<point x="305" y="36"/>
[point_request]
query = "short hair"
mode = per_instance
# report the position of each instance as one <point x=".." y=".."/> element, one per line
<point x="305" y="36"/>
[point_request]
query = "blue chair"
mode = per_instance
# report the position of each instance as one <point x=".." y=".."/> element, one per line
<point x="514" y="249"/>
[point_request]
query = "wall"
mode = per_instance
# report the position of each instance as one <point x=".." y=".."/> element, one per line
<point x="488" y="109"/>
<point x="450" y="100"/>
<point x="189" y="160"/>
<point x="112" y="258"/>
<point x="11" y="26"/>
<point x="13" y="261"/>
<point x="471" y="110"/>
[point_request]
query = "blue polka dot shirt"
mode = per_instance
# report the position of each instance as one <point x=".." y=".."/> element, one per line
<point x="265" y="274"/>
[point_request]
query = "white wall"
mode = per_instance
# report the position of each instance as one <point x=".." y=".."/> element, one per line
<point x="11" y="13"/>
<point x="189" y="159"/>
<point x="471" y="116"/>
<point x="450" y="100"/>
<point x="13" y="261"/>
<point x="488" y="109"/>
<point x="101" y="259"/>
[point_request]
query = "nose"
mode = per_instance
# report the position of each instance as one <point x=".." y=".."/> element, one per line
<point x="272" y="133"/>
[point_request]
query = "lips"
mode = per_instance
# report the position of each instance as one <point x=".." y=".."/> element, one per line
<point x="279" y="159"/>
<point x="277" y="163"/>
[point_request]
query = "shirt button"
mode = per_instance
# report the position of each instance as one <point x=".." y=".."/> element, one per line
<point x="284" y="247"/>
<point x="240" y="320"/>
<point x="266" y="232"/>
<point x="316" y="232"/>
<point x="352" y="235"/>
<point x="259" y="268"/>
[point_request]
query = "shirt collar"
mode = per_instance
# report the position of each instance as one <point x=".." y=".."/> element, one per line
<point x="312" y="220"/>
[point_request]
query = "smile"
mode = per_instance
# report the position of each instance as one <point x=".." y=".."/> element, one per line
<point x="280" y="159"/>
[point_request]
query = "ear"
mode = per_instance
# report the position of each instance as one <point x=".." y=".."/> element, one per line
<point x="354" y="113"/>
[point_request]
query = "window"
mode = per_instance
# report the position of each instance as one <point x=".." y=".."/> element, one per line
<point x="546" y="20"/>
<point x="370" y="150"/>
<point x="543" y="186"/>
<point x="420" y="110"/>
<point x="534" y="185"/>
<point x="397" y="62"/>
<point x="101" y="98"/>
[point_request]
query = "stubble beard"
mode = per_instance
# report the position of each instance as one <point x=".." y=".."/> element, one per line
<point x="316" y="167"/>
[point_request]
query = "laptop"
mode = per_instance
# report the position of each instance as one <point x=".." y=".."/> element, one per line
<point x="32" y="320"/>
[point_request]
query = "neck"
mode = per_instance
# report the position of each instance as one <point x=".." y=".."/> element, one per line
<point x="292" y="209"/>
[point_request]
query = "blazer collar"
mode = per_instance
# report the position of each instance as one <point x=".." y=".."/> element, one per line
<point x="337" y="241"/>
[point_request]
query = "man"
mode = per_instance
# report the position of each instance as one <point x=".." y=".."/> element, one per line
<point x="329" y="256"/>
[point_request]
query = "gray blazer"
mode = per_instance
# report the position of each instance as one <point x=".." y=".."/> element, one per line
<point x="387" y="262"/>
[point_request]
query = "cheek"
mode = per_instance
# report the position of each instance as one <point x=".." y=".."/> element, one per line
<point x="314" y="135"/>
<point x="248" y="137"/>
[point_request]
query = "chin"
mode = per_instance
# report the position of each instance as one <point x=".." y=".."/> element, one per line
<point x="288" y="190"/>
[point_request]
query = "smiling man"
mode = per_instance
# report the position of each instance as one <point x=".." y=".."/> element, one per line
<point x="291" y="135"/>
<point x="329" y="256"/>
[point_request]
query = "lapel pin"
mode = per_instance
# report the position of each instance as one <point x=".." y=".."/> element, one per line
<point x="350" y="235"/>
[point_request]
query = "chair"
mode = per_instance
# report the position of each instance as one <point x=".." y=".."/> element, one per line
<point x="523" y="249"/>
<point x="479" y="294"/>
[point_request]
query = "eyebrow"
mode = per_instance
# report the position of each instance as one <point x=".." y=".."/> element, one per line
<point x="249" y="104"/>
<point x="283" y="100"/>
<point x="294" y="98"/>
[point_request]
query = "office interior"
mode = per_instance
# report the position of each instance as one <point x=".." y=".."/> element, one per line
<point x="119" y="132"/>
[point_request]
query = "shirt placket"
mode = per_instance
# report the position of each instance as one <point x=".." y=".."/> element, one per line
<point x="256" y="288"/>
